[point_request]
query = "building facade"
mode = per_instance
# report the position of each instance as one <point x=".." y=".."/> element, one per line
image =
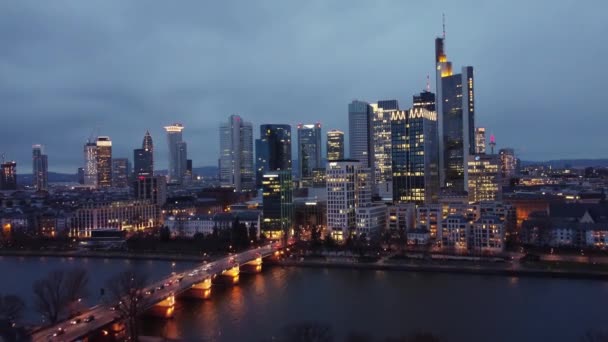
<point x="309" y="151"/>
<point x="122" y="215"/>
<point x="480" y="140"/>
<point x="177" y="153"/>
<point x="151" y="188"/>
<point x="40" y="168"/>
<point x="381" y="140"/>
<point x="8" y="175"/>
<point x="484" y="181"/>
<point x="278" y="207"/>
<point x="121" y="169"/>
<point x="335" y="145"/>
<point x="143" y="158"/>
<point x="236" y="154"/>
<point x="273" y="149"/>
<point x="90" y="164"/>
<point x="360" y="132"/>
<point x="104" y="162"/>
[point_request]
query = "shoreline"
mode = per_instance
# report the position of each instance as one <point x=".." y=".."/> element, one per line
<point x="451" y="269"/>
<point x="102" y="255"/>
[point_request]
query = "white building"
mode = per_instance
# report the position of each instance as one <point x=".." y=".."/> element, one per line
<point x="370" y="220"/>
<point x="487" y="235"/>
<point x="454" y="232"/>
<point x="401" y="217"/>
<point x="236" y="154"/>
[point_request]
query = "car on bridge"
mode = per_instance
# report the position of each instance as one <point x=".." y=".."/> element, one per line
<point x="89" y="319"/>
<point x="60" y="331"/>
<point x="76" y="321"/>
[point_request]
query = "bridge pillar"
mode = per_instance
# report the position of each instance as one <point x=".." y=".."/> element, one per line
<point x="254" y="266"/>
<point x="229" y="276"/>
<point x="200" y="290"/>
<point x="164" y="308"/>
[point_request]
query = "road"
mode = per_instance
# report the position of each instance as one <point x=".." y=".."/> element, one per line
<point x="172" y="285"/>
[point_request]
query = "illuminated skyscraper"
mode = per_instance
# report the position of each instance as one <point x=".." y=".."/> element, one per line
<point x="456" y="119"/>
<point x="177" y="149"/>
<point x="120" y="172"/>
<point x="273" y="149"/>
<point x="335" y="145"/>
<point x="309" y="151"/>
<point x="104" y="162"/>
<point x="236" y="154"/>
<point x="277" y="196"/>
<point x="39" y="168"/>
<point x="484" y="182"/>
<point x="90" y="164"/>
<point x="480" y="140"/>
<point x="8" y="176"/>
<point x="143" y="158"/>
<point x="508" y="164"/>
<point x="415" y="163"/>
<point x="360" y="132"/>
<point x="381" y="140"/>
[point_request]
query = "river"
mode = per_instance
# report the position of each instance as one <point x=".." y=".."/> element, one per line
<point x="379" y="303"/>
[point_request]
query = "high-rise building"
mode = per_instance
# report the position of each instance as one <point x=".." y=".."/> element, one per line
<point x="120" y="172"/>
<point x="8" y="176"/>
<point x="381" y="141"/>
<point x="278" y="210"/>
<point x="143" y="158"/>
<point x="415" y="163"/>
<point x="309" y="151"/>
<point x="335" y="145"/>
<point x="360" y="132"/>
<point x="484" y="183"/>
<point x="151" y="188"/>
<point x="349" y="187"/>
<point x="177" y="148"/>
<point x="456" y="119"/>
<point x="104" y="162"/>
<point x="189" y="173"/>
<point x="90" y="164"/>
<point x="236" y="154"/>
<point x="508" y="164"/>
<point x="182" y="161"/>
<point x="273" y="149"/>
<point x="480" y="140"/>
<point x="39" y="168"/>
<point x="80" y="174"/>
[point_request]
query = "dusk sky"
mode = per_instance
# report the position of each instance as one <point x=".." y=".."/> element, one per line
<point x="70" y="69"/>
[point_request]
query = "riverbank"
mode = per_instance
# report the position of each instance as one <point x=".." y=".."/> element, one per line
<point x="103" y="255"/>
<point x="493" y="269"/>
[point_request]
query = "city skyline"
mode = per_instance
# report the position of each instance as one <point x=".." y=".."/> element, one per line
<point x="125" y="96"/>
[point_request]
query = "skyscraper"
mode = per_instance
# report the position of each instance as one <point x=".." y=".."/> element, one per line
<point x="484" y="183"/>
<point x="277" y="197"/>
<point x="480" y="140"/>
<point x="143" y="158"/>
<point x="360" y="132"/>
<point x="182" y="161"/>
<point x="415" y="153"/>
<point x="152" y="188"/>
<point x="174" y="140"/>
<point x="120" y="172"/>
<point x="309" y="151"/>
<point x="508" y="164"/>
<point x="104" y="162"/>
<point x="381" y="140"/>
<point x="273" y="149"/>
<point x="236" y="154"/>
<point x="90" y="164"/>
<point x="39" y="168"/>
<point x="335" y="145"/>
<point x="8" y="176"/>
<point x="456" y="115"/>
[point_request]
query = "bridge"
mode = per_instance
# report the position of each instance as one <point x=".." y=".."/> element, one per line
<point x="161" y="295"/>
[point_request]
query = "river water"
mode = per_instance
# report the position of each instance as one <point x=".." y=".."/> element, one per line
<point x="378" y="303"/>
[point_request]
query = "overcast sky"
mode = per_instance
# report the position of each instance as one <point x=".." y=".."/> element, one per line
<point x="70" y="69"/>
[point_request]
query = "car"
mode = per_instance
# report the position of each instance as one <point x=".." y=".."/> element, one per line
<point x="89" y="319"/>
<point x="114" y="308"/>
<point x="167" y="284"/>
<point x="191" y="274"/>
<point x="60" y="331"/>
<point x="76" y="321"/>
<point x="160" y="287"/>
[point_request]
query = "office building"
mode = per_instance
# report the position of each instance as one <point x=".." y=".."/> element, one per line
<point x="236" y="154"/>
<point x="273" y="149"/>
<point x="360" y="132"/>
<point x="508" y="164"/>
<point x="39" y="168"/>
<point x="151" y="188"/>
<point x="335" y="145"/>
<point x="484" y="181"/>
<point x="415" y="163"/>
<point x="8" y="176"/>
<point x="401" y="218"/>
<point x="456" y="119"/>
<point x="143" y="158"/>
<point x="381" y="142"/>
<point x="309" y="151"/>
<point x="133" y="215"/>
<point x="177" y="153"/>
<point x="90" y="164"/>
<point x="278" y="207"/>
<point x="104" y="162"/>
<point x="487" y="235"/>
<point x="120" y="172"/>
<point x="480" y="140"/>
<point x="349" y="187"/>
<point x="189" y="176"/>
<point x="80" y="175"/>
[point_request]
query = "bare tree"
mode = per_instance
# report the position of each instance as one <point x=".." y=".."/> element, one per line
<point x="594" y="336"/>
<point x="56" y="294"/>
<point x="11" y="308"/>
<point x="308" y="332"/>
<point x="126" y="290"/>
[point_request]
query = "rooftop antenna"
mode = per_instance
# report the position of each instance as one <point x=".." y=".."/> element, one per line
<point x="428" y="83"/>
<point x="443" y="20"/>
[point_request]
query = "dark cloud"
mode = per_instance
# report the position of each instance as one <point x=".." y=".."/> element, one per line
<point x="71" y="68"/>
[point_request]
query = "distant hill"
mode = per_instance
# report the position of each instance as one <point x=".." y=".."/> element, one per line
<point x="574" y="163"/>
<point x="54" y="177"/>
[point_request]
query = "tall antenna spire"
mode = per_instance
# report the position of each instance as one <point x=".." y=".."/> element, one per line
<point x="428" y="83"/>
<point x="443" y="20"/>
